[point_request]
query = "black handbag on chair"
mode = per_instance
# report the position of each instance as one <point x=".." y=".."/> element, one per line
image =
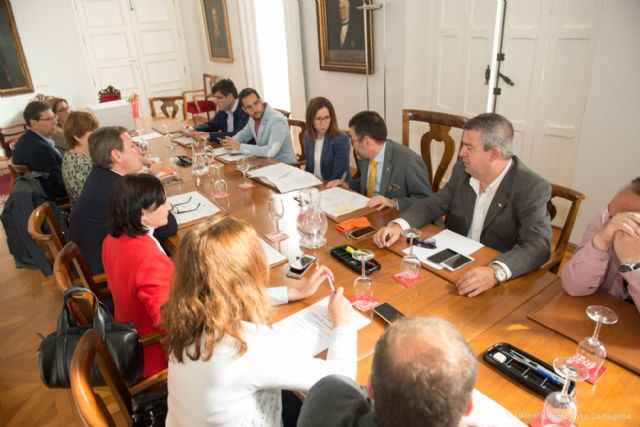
<point x="56" y="350"/>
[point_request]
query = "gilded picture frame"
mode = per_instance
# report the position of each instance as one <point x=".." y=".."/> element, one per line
<point x="341" y="36"/>
<point x="15" y="78"/>
<point x="216" y="23"/>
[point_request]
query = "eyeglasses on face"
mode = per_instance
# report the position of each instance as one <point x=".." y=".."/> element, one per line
<point x="47" y="119"/>
<point x="323" y="119"/>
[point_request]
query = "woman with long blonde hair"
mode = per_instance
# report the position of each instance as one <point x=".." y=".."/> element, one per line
<point x="226" y="366"/>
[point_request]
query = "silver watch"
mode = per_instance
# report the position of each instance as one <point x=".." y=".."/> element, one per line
<point x="498" y="272"/>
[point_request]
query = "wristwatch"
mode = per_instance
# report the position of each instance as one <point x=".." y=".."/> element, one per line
<point x="498" y="272"/>
<point x="628" y="267"/>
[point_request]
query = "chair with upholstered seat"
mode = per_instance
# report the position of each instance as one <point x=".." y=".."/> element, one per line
<point x="9" y="135"/>
<point x="300" y="127"/>
<point x="51" y="240"/>
<point x="560" y="238"/>
<point x="200" y="101"/>
<point x="440" y="125"/>
<point x="168" y="106"/>
<point x="16" y="172"/>
<point x="90" y="405"/>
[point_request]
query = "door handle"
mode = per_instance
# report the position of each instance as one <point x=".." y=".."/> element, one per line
<point x="487" y="74"/>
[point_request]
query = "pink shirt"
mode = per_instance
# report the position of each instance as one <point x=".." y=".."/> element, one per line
<point x="591" y="270"/>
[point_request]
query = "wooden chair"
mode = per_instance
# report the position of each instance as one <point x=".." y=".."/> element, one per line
<point x="51" y="242"/>
<point x="16" y="172"/>
<point x="168" y="106"/>
<point x="9" y="135"/>
<point x="301" y="127"/>
<point x="558" y="249"/>
<point x="91" y="407"/>
<point x="440" y="125"/>
<point x="283" y="112"/>
<point x="199" y="101"/>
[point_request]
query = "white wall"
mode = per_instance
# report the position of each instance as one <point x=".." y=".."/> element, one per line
<point x="609" y="150"/>
<point x="52" y="48"/>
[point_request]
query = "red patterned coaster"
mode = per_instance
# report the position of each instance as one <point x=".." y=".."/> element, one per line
<point x="595" y="375"/>
<point x="276" y="237"/>
<point x="364" y="304"/>
<point x="220" y="195"/>
<point x="407" y="282"/>
<point x="537" y="422"/>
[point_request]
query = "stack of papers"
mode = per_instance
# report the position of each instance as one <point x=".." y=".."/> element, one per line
<point x="309" y="330"/>
<point x="446" y="239"/>
<point x="273" y="257"/>
<point x="183" y="140"/>
<point x="146" y="137"/>
<point x="191" y="206"/>
<point x="338" y="201"/>
<point x="285" y="177"/>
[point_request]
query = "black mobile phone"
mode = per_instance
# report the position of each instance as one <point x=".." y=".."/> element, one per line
<point x="456" y="262"/>
<point x="300" y="265"/>
<point x="184" y="161"/>
<point x="443" y="255"/>
<point x="361" y="232"/>
<point x="387" y="312"/>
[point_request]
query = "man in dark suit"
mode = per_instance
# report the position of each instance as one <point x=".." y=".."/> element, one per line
<point x="492" y="197"/>
<point x="230" y="117"/>
<point x="391" y="174"/>
<point x="347" y="31"/>
<point x="113" y="154"/>
<point x="36" y="149"/>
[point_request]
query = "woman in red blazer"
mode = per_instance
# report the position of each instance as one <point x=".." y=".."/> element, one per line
<point x="138" y="270"/>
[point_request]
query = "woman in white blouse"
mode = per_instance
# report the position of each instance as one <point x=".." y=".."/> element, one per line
<point x="226" y="365"/>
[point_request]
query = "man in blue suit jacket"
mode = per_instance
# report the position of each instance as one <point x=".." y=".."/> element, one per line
<point x="36" y="149"/>
<point x="230" y="117"/>
<point x="268" y="127"/>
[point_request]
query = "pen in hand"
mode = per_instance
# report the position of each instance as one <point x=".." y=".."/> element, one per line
<point x="333" y="288"/>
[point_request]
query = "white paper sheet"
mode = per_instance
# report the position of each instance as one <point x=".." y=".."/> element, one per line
<point x="273" y="256"/>
<point x="338" y="201"/>
<point x="205" y="209"/>
<point x="232" y="158"/>
<point x="184" y="140"/>
<point x="146" y="137"/>
<point x="487" y="412"/>
<point x="285" y="177"/>
<point x="310" y="328"/>
<point x="446" y="239"/>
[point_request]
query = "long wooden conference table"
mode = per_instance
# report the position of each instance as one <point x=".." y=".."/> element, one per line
<point x="497" y="315"/>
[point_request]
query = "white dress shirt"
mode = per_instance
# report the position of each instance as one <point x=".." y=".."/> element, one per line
<point x="230" y="116"/>
<point x="317" y="157"/>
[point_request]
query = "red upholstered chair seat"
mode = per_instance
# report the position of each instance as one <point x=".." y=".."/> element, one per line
<point x="196" y="107"/>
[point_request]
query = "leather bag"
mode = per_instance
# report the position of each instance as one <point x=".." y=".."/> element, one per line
<point x="56" y="350"/>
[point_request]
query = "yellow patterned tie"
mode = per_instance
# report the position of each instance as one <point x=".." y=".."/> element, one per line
<point x="371" y="179"/>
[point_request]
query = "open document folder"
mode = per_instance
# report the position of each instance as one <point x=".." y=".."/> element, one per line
<point x="284" y="177"/>
<point x="191" y="206"/>
<point x="309" y="329"/>
<point x="337" y="201"/>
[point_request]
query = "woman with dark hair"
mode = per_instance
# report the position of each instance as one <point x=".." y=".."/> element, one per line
<point x="326" y="147"/>
<point x="138" y="270"/>
<point x="76" y="163"/>
<point x="226" y="365"/>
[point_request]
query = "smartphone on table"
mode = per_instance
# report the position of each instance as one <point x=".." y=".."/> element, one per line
<point x="387" y="312"/>
<point x="450" y="259"/>
<point x="361" y="232"/>
<point x="300" y="266"/>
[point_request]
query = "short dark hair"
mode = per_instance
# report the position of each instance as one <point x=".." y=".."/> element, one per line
<point x="246" y="92"/>
<point x="314" y="105"/>
<point x="423" y="369"/>
<point x="130" y="195"/>
<point x="496" y="131"/>
<point x="369" y="123"/>
<point x="77" y="124"/>
<point x="102" y="142"/>
<point x="33" y="110"/>
<point x="635" y="185"/>
<point x="225" y="87"/>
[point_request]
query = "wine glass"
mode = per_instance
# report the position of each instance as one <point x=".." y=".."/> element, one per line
<point x="200" y="165"/>
<point x="243" y="165"/>
<point x="410" y="262"/>
<point x="220" y="188"/>
<point x="560" y="407"/>
<point x="363" y="285"/>
<point x="591" y="351"/>
<point x="276" y="212"/>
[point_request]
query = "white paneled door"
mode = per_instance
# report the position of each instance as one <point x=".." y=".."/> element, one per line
<point x="548" y="46"/>
<point x="134" y="45"/>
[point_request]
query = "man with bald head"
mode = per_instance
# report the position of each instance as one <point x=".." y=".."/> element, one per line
<point x="608" y="258"/>
<point x="423" y="373"/>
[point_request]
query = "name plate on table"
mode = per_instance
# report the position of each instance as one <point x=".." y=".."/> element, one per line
<point x="191" y="207"/>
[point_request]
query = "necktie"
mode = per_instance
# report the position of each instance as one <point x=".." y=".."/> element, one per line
<point x="371" y="179"/>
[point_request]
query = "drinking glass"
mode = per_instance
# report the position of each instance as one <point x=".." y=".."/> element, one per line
<point x="591" y="352"/>
<point x="560" y="407"/>
<point x="243" y="165"/>
<point x="276" y="212"/>
<point x="311" y="221"/>
<point x="220" y="188"/>
<point x="410" y="262"/>
<point x="200" y="165"/>
<point x="363" y="285"/>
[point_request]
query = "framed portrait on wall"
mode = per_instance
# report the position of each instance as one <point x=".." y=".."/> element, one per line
<point x="343" y="31"/>
<point x="14" y="72"/>
<point x="216" y="24"/>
